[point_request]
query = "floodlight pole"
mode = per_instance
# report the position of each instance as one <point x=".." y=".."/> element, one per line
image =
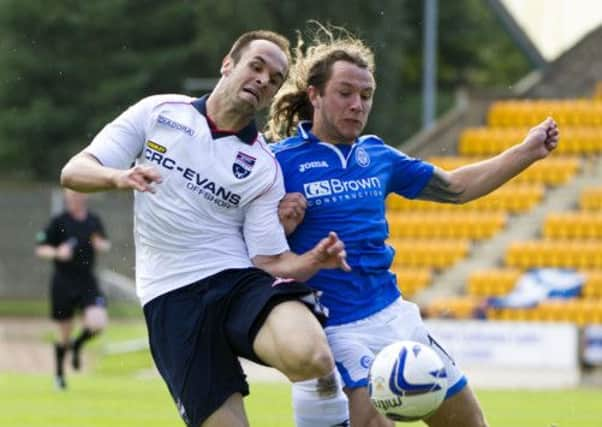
<point x="429" y="60"/>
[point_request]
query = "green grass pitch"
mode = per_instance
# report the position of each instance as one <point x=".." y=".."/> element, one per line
<point x="123" y="390"/>
<point x="103" y="400"/>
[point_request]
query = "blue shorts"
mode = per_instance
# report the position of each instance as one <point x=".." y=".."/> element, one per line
<point x="197" y="333"/>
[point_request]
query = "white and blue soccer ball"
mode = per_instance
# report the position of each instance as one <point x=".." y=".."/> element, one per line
<point x="407" y="381"/>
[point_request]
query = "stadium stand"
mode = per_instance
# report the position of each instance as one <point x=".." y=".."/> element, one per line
<point x="550" y="216"/>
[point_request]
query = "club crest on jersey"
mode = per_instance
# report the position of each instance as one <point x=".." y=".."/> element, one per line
<point x="361" y="157"/>
<point x="242" y="165"/>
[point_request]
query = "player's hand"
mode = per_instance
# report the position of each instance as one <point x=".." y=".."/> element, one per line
<point x="543" y="138"/>
<point x="139" y="178"/>
<point x="330" y="253"/>
<point x="291" y="211"/>
<point x="64" y="252"/>
<point x="99" y="243"/>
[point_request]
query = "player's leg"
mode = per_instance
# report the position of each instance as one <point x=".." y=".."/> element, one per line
<point x="64" y="328"/>
<point x="362" y="412"/>
<point x="460" y="410"/>
<point x="62" y="312"/>
<point x="460" y="407"/>
<point x="292" y="340"/>
<point x="94" y="321"/>
<point x="320" y="402"/>
<point x="354" y="346"/>
<point x="231" y="413"/>
<point x="95" y="318"/>
<point x="61" y="346"/>
<point x="193" y="353"/>
<point x="275" y="322"/>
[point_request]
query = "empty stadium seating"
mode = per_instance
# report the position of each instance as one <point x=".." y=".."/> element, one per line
<point x="471" y="224"/>
<point x="412" y="280"/>
<point x="428" y="253"/>
<point x="570" y="239"/>
<point x="526" y="113"/>
<point x="578" y="140"/>
<point x="578" y="254"/>
<point x="591" y="198"/>
<point x="573" y="225"/>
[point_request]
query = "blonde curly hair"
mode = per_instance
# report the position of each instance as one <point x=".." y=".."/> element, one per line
<point x="312" y="66"/>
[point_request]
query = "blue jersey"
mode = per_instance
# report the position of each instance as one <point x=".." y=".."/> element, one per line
<point x="346" y="187"/>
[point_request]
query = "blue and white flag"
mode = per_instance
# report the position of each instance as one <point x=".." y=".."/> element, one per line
<point x="539" y="284"/>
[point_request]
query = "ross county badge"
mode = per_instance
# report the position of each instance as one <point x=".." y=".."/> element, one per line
<point x="242" y="165"/>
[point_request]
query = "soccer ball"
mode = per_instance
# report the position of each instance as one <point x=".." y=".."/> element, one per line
<point x="407" y="381"/>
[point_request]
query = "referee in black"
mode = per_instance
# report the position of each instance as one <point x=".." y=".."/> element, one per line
<point x="71" y="240"/>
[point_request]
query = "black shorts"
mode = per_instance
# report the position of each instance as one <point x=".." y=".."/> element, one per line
<point x="197" y="332"/>
<point x="69" y="294"/>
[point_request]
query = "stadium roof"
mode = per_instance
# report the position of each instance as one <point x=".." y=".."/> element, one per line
<point x="555" y="25"/>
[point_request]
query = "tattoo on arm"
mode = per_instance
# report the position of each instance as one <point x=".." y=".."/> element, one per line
<point x="438" y="189"/>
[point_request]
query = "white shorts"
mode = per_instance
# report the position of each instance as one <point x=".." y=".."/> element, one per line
<point x="355" y="344"/>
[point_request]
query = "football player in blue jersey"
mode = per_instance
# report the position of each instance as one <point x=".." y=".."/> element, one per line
<point x="338" y="180"/>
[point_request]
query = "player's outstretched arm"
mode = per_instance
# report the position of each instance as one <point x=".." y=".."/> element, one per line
<point x="84" y="173"/>
<point x="478" y="179"/>
<point x="328" y="253"/>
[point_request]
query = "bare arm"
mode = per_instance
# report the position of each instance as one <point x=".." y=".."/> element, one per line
<point x="478" y="179"/>
<point x="99" y="243"/>
<point x="328" y="253"/>
<point x="63" y="252"/>
<point x="84" y="173"/>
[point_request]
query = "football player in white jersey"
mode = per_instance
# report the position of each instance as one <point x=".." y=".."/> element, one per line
<point x="207" y="231"/>
<point x="341" y="180"/>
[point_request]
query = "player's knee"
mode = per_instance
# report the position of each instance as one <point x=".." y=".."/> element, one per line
<point x="321" y="363"/>
<point x="96" y="320"/>
<point x="310" y="362"/>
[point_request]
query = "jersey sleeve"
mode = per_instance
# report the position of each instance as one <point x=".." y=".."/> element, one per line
<point x="409" y="175"/>
<point x="121" y="141"/>
<point x="52" y="235"/>
<point x="263" y="233"/>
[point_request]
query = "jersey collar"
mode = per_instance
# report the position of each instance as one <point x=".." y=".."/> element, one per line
<point x="304" y="132"/>
<point x="248" y="134"/>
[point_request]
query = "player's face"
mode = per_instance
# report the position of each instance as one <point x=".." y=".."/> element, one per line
<point x="341" y="112"/>
<point x="256" y="77"/>
<point x="75" y="202"/>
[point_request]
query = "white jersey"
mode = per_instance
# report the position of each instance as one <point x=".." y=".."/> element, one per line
<point x="216" y="207"/>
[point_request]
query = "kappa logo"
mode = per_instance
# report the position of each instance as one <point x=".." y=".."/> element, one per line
<point x="174" y="125"/>
<point x="243" y="164"/>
